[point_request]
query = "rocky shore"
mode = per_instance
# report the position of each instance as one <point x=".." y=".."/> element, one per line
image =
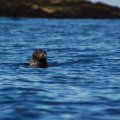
<point x="57" y="9"/>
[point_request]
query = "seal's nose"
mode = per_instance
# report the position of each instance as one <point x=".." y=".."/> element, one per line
<point x="42" y="55"/>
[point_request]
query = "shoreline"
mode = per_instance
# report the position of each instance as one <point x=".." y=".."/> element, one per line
<point x="58" y="10"/>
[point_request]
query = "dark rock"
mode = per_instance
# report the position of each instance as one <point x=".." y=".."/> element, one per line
<point x="57" y="9"/>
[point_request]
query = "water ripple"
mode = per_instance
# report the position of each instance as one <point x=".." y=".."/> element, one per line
<point x="82" y="80"/>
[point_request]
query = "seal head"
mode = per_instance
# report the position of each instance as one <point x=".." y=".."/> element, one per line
<point x="39" y="59"/>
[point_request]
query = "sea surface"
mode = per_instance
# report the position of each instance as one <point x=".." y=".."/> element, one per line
<point x="82" y="81"/>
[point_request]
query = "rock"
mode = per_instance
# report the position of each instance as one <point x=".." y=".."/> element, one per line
<point x="57" y="9"/>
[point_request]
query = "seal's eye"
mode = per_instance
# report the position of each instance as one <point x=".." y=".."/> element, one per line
<point x="44" y="52"/>
<point x="36" y="52"/>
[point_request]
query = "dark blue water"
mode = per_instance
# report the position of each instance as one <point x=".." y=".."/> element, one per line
<point x="82" y="81"/>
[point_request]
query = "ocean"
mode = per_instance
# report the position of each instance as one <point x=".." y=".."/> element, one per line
<point x="82" y="81"/>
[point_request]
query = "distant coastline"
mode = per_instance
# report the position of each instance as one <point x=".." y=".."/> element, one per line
<point x="57" y="9"/>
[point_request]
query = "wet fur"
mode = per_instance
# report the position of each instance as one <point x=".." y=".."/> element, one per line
<point x="39" y="59"/>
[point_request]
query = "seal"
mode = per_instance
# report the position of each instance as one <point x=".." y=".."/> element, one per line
<point x="39" y="59"/>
